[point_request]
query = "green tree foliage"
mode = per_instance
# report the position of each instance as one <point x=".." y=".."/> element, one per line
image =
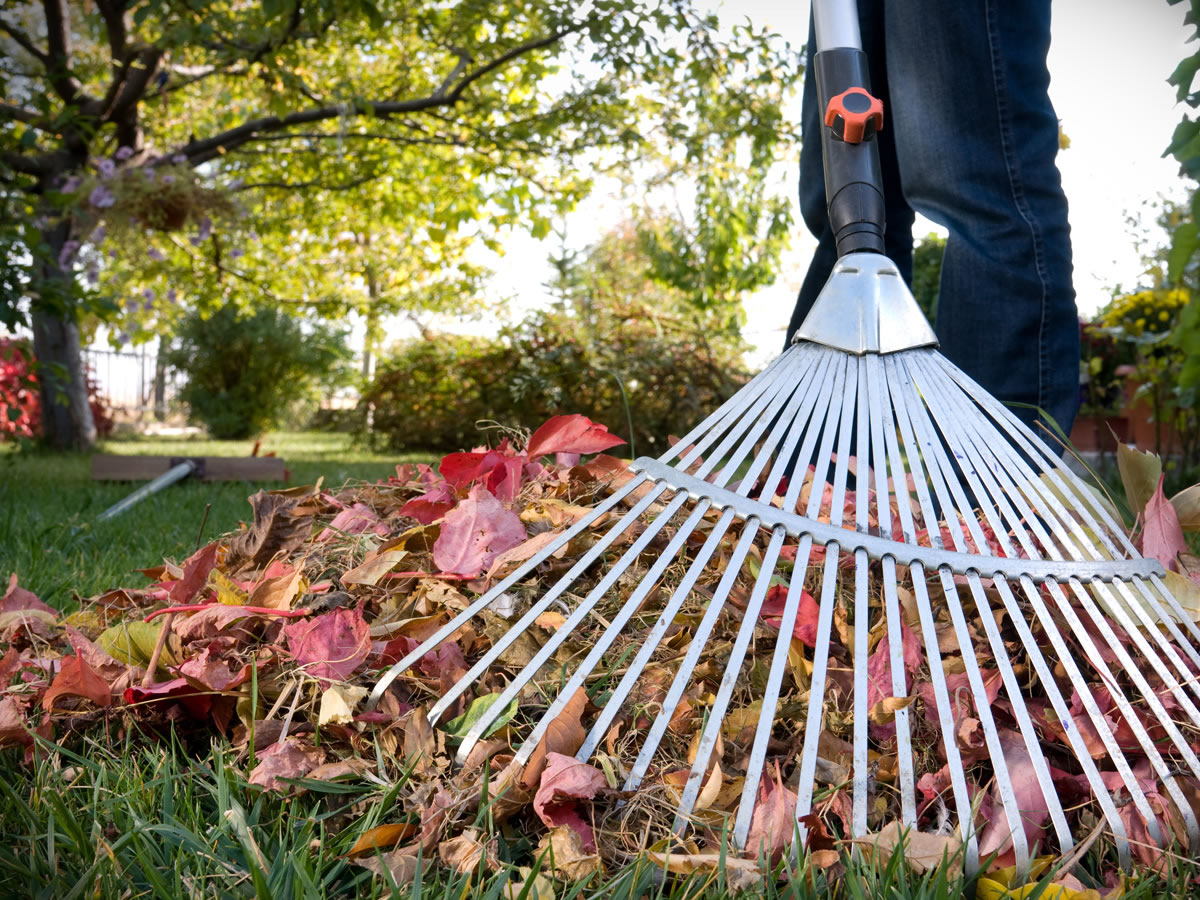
<point x="366" y="144"/>
<point x="618" y="347"/>
<point x="246" y="371"/>
<point x="927" y="273"/>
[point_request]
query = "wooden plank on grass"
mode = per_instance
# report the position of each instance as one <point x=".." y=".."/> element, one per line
<point x="112" y="467"/>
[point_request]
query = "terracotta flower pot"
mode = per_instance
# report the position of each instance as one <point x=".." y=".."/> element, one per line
<point x="1095" y="434"/>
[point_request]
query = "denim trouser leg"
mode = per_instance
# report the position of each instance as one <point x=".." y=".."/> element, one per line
<point x="975" y="139"/>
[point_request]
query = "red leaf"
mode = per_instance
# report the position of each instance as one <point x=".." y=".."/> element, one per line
<point x="565" y="781"/>
<point x="474" y="533"/>
<point x="77" y="679"/>
<point x="773" y="824"/>
<point x="331" y="646"/>
<point x="195" y="574"/>
<point x="805" y="628"/>
<point x="1162" y="535"/>
<point x="461" y="469"/>
<point x="354" y="520"/>
<point x="17" y="598"/>
<point x="997" y="835"/>
<point x="13" y="729"/>
<point x="570" y="434"/>
<point x="197" y="703"/>
<point x="209" y="669"/>
<point x="424" y="510"/>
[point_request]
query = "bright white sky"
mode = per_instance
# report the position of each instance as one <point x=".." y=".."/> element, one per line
<point x="1109" y="62"/>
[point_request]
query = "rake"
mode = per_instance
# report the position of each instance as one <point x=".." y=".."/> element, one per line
<point x="939" y="499"/>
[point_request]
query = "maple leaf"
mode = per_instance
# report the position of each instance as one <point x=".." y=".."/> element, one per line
<point x="475" y="532"/>
<point x="996" y="836"/>
<point x="77" y="679"/>
<point x="805" y="628"/>
<point x="565" y="781"/>
<point x="570" y="434"/>
<point x="1162" y="535"/>
<point x="330" y="646"/>
<point x="276" y="531"/>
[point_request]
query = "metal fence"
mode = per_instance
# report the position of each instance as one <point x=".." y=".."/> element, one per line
<point x="126" y="380"/>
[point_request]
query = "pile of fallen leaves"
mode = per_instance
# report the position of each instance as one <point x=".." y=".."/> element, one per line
<point x="273" y="637"/>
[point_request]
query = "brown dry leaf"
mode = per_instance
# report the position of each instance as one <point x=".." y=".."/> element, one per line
<point x="565" y="734"/>
<point x="711" y="790"/>
<point x="1140" y="473"/>
<point x="402" y="864"/>
<point x="1187" y="507"/>
<point x="922" y="851"/>
<point x="421" y="743"/>
<point x="373" y="569"/>
<point x="339" y="769"/>
<point x="884" y="712"/>
<point x="277" y="530"/>
<point x="740" y="874"/>
<point x="278" y="593"/>
<point x="289" y="758"/>
<point x="382" y="837"/>
<point x="845" y="631"/>
<point x="551" y="620"/>
<point x="565" y="856"/>
<point x="523" y="887"/>
<point x="464" y="852"/>
<point x="506" y="794"/>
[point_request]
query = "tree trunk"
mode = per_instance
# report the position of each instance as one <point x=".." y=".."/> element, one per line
<point x="66" y="414"/>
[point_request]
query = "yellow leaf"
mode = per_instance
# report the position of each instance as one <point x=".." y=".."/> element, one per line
<point x="1187" y="507"/>
<point x="373" y="569"/>
<point x="338" y="702"/>
<point x="133" y="643"/>
<point x="1140" y="472"/>
<point x="740" y="874"/>
<point x="884" y="712"/>
<point x="227" y="592"/>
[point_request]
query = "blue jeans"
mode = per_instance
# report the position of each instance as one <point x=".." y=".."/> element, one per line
<point x="969" y="140"/>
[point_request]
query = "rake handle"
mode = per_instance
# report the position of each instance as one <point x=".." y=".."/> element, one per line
<point x="851" y="118"/>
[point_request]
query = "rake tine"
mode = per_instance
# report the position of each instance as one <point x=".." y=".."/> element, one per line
<point x="703" y="434"/>
<point x="845" y="384"/>
<point x="650" y="644"/>
<point x="825" y="407"/>
<point x="884" y="440"/>
<point x="934" y="399"/>
<point x="758" y="424"/>
<point x="940" y="469"/>
<point x="632" y="604"/>
<point x="983" y="709"/>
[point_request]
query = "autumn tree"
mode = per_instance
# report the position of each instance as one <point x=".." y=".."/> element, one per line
<point x="469" y="116"/>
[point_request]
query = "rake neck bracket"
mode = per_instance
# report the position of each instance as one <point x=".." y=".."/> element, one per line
<point x="865" y="307"/>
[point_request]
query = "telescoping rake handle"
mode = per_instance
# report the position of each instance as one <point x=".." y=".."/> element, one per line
<point x="865" y="466"/>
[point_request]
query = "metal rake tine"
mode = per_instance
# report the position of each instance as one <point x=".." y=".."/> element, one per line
<point x="760" y="383"/>
<point x="491" y="595"/>
<point x="983" y="471"/>
<point x="974" y="675"/>
<point x="884" y="440"/>
<point x="845" y="383"/>
<point x="824" y="406"/>
<point x="964" y="423"/>
<point x="788" y="421"/>
<point x="816" y="693"/>
<point x="544" y="601"/>
<point x="862" y="635"/>
<point x="941" y="474"/>
<point x="743" y="424"/>
<point x="703" y="630"/>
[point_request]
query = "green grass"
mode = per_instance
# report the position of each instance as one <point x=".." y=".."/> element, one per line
<point x="48" y="507"/>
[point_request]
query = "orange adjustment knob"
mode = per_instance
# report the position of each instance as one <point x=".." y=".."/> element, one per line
<point x="854" y="115"/>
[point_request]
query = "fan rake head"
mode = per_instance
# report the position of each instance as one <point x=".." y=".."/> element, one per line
<point x="953" y="560"/>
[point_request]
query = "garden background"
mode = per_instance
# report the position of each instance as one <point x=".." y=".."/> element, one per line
<point x="359" y="234"/>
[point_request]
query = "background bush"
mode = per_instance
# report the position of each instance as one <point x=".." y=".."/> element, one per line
<point x="246" y="372"/>
<point x="432" y="394"/>
<point x="20" y="402"/>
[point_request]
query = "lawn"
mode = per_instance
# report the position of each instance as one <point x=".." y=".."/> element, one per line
<point x="48" y="507"/>
<point x="113" y="812"/>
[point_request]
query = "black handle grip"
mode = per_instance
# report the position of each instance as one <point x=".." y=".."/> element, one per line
<point x="853" y="180"/>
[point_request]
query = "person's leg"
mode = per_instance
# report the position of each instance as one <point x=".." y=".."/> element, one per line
<point x="977" y="139"/>
<point x="898" y="230"/>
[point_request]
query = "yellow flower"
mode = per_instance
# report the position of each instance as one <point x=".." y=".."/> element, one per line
<point x="1164" y="315"/>
<point x="1140" y="323"/>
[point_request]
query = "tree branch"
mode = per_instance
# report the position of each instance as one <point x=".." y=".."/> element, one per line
<point x="25" y="43"/>
<point x="58" y="60"/>
<point x="202" y="151"/>
<point x="315" y="183"/>
<point x="20" y="114"/>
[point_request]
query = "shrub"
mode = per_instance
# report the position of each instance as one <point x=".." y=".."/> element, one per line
<point x="432" y="394"/>
<point x="247" y="371"/>
<point x="20" y="403"/>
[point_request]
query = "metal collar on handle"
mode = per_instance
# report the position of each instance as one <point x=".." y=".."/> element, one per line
<point x="836" y="24"/>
